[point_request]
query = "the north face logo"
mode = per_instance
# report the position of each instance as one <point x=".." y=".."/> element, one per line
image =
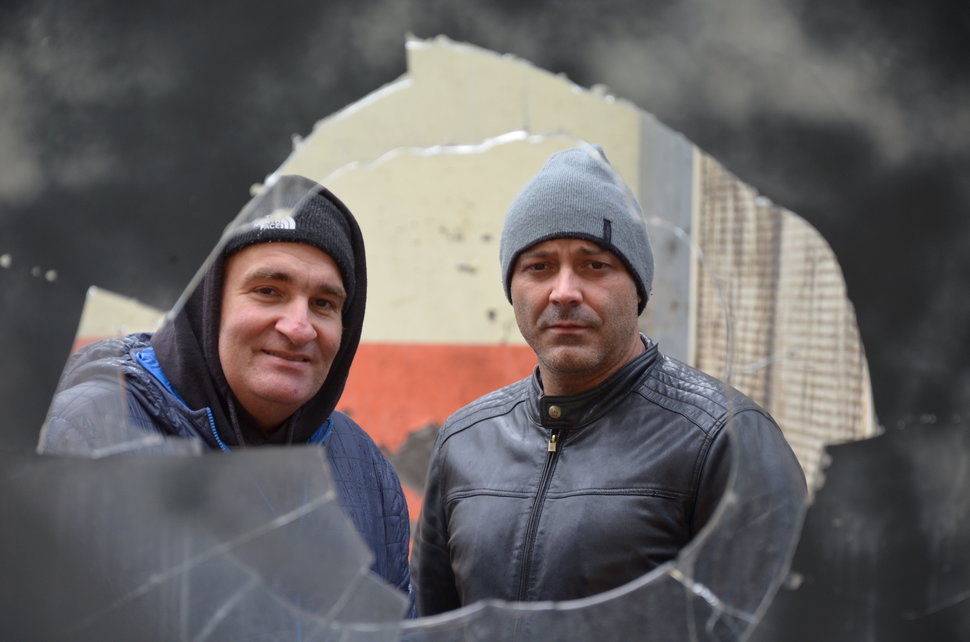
<point x="280" y="219"/>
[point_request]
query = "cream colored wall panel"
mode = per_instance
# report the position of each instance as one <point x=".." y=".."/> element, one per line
<point x="431" y="222"/>
<point x="362" y="131"/>
<point x="107" y="314"/>
<point x="557" y="105"/>
<point x="474" y="95"/>
<point x="743" y="289"/>
<point x="425" y="165"/>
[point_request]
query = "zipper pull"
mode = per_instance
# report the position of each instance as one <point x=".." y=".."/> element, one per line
<point x="551" y="447"/>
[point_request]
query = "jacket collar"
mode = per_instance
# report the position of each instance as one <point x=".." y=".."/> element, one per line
<point x="573" y="411"/>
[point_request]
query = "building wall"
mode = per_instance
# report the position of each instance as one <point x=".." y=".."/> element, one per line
<point x="744" y="289"/>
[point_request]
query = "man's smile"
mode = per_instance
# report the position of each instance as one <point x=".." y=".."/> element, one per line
<point x="287" y="356"/>
<point x="566" y="328"/>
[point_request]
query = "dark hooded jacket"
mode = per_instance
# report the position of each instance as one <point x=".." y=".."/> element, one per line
<point x="174" y="385"/>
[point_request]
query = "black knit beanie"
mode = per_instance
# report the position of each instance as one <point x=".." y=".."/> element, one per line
<point x="295" y="209"/>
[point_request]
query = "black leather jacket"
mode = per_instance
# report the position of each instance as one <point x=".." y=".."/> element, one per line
<point x="527" y="502"/>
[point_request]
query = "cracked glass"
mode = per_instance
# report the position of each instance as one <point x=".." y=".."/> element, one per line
<point x="264" y="551"/>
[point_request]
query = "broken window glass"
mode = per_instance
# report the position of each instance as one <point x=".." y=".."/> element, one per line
<point x="118" y="547"/>
<point x="152" y="536"/>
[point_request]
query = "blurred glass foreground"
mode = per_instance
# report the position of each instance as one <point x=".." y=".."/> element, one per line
<point x="156" y="540"/>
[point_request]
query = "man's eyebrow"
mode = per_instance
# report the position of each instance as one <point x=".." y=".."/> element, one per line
<point x="333" y="290"/>
<point x="537" y="253"/>
<point x="593" y="248"/>
<point x="586" y="248"/>
<point x="269" y="274"/>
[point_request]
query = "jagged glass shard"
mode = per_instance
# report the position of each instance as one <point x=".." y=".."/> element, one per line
<point x="888" y="530"/>
<point x="258" y="546"/>
<point x="275" y="552"/>
<point x="165" y="540"/>
<point x="170" y="547"/>
<point x="370" y="600"/>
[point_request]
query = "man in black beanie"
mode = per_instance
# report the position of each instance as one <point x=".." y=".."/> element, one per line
<point x="258" y="354"/>
<point x="611" y="457"/>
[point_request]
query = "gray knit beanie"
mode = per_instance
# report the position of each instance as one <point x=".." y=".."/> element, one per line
<point x="577" y="194"/>
<point x="296" y="209"/>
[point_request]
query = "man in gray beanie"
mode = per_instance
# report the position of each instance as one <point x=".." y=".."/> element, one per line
<point x="611" y="457"/>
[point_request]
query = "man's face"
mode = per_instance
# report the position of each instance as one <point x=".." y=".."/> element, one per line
<point x="576" y="305"/>
<point x="280" y="326"/>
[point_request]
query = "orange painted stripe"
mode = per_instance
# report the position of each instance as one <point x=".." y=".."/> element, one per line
<point x="80" y="342"/>
<point x="396" y="389"/>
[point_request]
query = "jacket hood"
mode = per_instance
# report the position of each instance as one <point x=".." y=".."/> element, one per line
<point x="187" y="344"/>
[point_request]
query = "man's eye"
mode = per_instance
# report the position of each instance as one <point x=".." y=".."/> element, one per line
<point x="324" y="304"/>
<point x="536" y="267"/>
<point x="264" y="291"/>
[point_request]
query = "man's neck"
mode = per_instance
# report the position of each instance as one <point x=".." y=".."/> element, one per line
<point x="562" y="384"/>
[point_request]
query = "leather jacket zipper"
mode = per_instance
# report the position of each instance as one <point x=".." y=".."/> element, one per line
<point x="552" y="448"/>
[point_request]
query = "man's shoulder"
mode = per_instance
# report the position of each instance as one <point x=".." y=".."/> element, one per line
<point x="348" y="439"/>
<point x="91" y="410"/>
<point x="693" y="393"/>
<point x="496" y="403"/>
<point x="355" y="457"/>
<point x="113" y="346"/>
<point x="102" y="360"/>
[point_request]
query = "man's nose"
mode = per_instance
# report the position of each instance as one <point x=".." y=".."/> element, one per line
<point x="295" y="324"/>
<point x="566" y="288"/>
